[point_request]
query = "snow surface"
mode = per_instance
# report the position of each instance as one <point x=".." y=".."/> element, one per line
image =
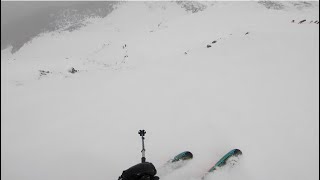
<point x="257" y="92"/>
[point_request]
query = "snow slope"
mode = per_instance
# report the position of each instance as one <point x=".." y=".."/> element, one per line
<point x="147" y="65"/>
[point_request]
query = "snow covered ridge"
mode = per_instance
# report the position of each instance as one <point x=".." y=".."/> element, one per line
<point x="74" y="18"/>
<point x="87" y="39"/>
<point x="76" y="15"/>
<point x="278" y="5"/>
<point x="192" y="6"/>
<point x="272" y="5"/>
<point x="83" y="39"/>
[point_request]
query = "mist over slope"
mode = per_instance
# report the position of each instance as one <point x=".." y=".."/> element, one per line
<point x="22" y="21"/>
<point x="205" y="77"/>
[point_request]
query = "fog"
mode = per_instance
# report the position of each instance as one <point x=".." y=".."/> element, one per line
<point x="21" y="21"/>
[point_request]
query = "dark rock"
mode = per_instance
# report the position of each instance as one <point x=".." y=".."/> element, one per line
<point x="302" y="21"/>
<point x="72" y="70"/>
<point x="208" y="46"/>
<point x="43" y="73"/>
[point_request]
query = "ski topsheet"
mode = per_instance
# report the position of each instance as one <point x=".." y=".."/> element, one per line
<point x="175" y="163"/>
<point x="228" y="160"/>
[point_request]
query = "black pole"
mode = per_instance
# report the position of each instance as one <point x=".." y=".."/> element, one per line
<point x="142" y="133"/>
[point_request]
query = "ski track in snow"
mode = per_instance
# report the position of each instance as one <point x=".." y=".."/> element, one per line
<point x="147" y="66"/>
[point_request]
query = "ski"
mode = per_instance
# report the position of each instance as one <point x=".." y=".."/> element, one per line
<point x="230" y="160"/>
<point x="175" y="163"/>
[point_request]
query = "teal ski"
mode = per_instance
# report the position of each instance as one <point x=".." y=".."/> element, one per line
<point x="177" y="162"/>
<point x="187" y="155"/>
<point x="231" y="158"/>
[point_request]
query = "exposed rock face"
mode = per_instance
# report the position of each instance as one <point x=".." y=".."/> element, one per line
<point x="192" y="6"/>
<point x="272" y="5"/>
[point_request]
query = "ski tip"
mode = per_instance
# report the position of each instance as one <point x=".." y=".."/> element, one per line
<point x="237" y="152"/>
<point x="183" y="156"/>
<point x="188" y="154"/>
<point x="223" y="160"/>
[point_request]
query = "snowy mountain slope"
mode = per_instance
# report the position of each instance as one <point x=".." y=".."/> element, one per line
<point x="147" y="65"/>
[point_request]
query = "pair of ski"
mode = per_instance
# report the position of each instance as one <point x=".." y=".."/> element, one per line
<point x="230" y="159"/>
